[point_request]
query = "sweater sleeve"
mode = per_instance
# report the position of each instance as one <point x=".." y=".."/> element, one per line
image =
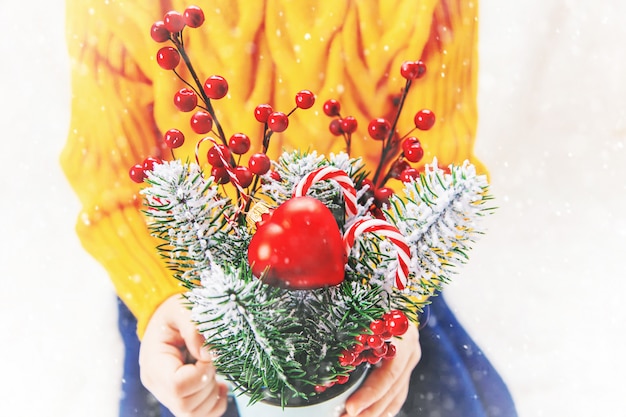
<point x="112" y="128"/>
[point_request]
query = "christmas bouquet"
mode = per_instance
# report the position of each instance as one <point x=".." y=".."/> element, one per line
<point x="300" y="271"/>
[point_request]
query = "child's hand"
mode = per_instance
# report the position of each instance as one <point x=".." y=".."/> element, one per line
<point x="386" y="387"/>
<point x="175" y="367"/>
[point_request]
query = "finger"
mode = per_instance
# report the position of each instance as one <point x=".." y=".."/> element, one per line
<point x="386" y="379"/>
<point x="194" y="342"/>
<point x="158" y="361"/>
<point x="193" y="378"/>
<point x="388" y="391"/>
<point x="213" y="403"/>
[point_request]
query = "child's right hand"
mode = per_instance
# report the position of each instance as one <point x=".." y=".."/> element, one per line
<point x="187" y="389"/>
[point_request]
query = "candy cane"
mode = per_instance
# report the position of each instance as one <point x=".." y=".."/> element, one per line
<point x="382" y="228"/>
<point x="229" y="169"/>
<point x="330" y="173"/>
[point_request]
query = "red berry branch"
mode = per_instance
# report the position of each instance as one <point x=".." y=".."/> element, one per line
<point x="198" y="95"/>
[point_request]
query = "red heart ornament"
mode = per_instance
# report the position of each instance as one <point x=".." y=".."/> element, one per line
<point x="298" y="247"/>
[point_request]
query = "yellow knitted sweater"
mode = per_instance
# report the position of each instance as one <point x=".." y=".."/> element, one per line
<point x="268" y="50"/>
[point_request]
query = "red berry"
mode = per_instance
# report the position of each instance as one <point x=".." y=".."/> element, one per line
<point x="379" y="128"/>
<point x="409" y="175"/>
<point x="168" y="57"/>
<point x="408" y="142"/>
<point x="331" y="108"/>
<point x="397" y="168"/>
<point x="216" y="153"/>
<point x="374" y="341"/>
<point x="381" y="352"/>
<point x="274" y="175"/>
<point x="368" y="183"/>
<point x="342" y="379"/>
<point x="262" y="112"/>
<point x="201" y="122"/>
<point x="278" y="121"/>
<point x="305" y="99"/>
<point x="397" y="322"/>
<point x="174" y="21"/>
<point x="259" y="163"/>
<point x="391" y="351"/>
<point x="220" y="175"/>
<point x="412" y="70"/>
<point x="347" y="358"/>
<point x="382" y="195"/>
<point x="137" y="173"/>
<point x="335" y="127"/>
<point x="159" y="32"/>
<point x="174" y="138"/>
<point x="386" y="335"/>
<point x="372" y="358"/>
<point x="193" y="16"/>
<point x="424" y="119"/>
<point x="361" y="339"/>
<point x="349" y="124"/>
<point x="185" y="100"/>
<point x="216" y="87"/>
<point x="415" y="153"/>
<point x="149" y="162"/>
<point x="244" y="176"/>
<point x="239" y="143"/>
<point x="377" y="326"/>
<point x="320" y="388"/>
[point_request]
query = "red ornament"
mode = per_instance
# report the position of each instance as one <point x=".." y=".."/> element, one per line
<point x="299" y="246"/>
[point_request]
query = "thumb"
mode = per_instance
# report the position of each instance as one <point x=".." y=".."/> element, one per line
<point x="194" y="342"/>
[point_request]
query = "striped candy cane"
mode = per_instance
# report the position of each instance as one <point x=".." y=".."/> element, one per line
<point x="382" y="228"/>
<point x="231" y="172"/>
<point x="330" y="173"/>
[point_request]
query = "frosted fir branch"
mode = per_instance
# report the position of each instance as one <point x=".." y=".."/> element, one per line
<point x="222" y="307"/>
<point x="439" y="218"/>
<point x="186" y="211"/>
<point x="293" y="166"/>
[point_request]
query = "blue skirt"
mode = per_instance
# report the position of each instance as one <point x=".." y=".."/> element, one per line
<point x="453" y="378"/>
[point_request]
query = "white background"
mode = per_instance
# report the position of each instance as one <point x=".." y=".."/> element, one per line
<point x="543" y="293"/>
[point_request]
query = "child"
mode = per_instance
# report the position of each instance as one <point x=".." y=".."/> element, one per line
<point x="269" y="50"/>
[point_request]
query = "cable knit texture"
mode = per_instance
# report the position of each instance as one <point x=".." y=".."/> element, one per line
<point x="267" y="50"/>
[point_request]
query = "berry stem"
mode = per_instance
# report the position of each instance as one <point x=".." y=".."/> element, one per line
<point x="388" y="142"/>
<point x="209" y="107"/>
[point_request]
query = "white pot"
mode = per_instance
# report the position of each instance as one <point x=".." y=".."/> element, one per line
<point x="331" y="407"/>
